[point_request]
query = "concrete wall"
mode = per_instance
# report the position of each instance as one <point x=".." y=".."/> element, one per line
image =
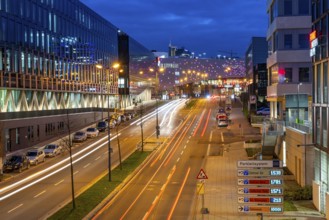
<point x="300" y="159"/>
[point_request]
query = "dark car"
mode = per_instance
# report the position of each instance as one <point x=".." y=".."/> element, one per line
<point x="102" y="125"/>
<point x="17" y="163"/>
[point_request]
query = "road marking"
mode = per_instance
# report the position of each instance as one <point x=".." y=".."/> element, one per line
<point x="206" y="125"/>
<point x="222" y="136"/>
<point x="178" y="195"/>
<point x="185" y="147"/>
<point x="15" y="208"/>
<point x="56" y="184"/>
<point x="76" y="172"/>
<point x="181" y="153"/>
<point x="39" y="194"/>
<point x="178" y="159"/>
<point x="86" y="165"/>
<point x="155" y="200"/>
<point x="210" y="138"/>
<point x="98" y="158"/>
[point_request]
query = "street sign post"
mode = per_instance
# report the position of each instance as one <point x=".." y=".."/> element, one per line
<point x="261" y="190"/>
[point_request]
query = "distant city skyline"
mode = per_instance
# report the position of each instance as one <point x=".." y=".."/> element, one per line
<point x="202" y="27"/>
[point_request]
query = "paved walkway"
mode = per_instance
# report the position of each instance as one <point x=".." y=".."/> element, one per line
<point x="220" y="192"/>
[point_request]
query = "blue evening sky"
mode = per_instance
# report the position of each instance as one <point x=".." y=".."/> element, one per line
<point x="201" y="26"/>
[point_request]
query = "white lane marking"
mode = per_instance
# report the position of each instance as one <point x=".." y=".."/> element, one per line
<point x="210" y="138"/>
<point x="37" y="195"/>
<point x="178" y="159"/>
<point x="56" y="184"/>
<point x="76" y="172"/>
<point x="181" y="153"/>
<point x="187" y="141"/>
<point x="154" y="201"/>
<point x="86" y="165"/>
<point x="98" y="158"/>
<point x="15" y="208"/>
<point x="222" y="136"/>
<point x="185" y="147"/>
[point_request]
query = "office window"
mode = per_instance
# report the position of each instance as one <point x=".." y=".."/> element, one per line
<point x="303" y="7"/>
<point x="287" y="41"/>
<point x="287" y="8"/>
<point x="325" y="82"/>
<point x="303" y="41"/>
<point x="318" y="83"/>
<point x="324" y="127"/>
<point x="304" y="73"/>
<point x="288" y="74"/>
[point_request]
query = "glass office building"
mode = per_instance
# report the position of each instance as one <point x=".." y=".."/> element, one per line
<point x="56" y="56"/>
<point x="319" y="53"/>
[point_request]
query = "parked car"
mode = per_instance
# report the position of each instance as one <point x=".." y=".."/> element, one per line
<point x="52" y="150"/>
<point x="36" y="156"/>
<point x="102" y="125"/>
<point x="222" y="122"/>
<point x="79" y="136"/>
<point x="92" y="132"/>
<point x="128" y="116"/>
<point x="117" y="118"/>
<point x="264" y="111"/>
<point x="220" y="116"/>
<point x="16" y="163"/>
<point x="112" y="123"/>
<point x="123" y="118"/>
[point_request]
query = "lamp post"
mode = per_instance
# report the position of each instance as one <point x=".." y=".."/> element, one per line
<point x="298" y="101"/>
<point x="100" y="67"/>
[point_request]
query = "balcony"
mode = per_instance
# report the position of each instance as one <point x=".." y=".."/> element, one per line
<point x="278" y="90"/>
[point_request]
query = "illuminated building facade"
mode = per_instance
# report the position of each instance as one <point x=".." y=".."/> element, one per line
<point x="57" y="57"/>
<point x="319" y="53"/>
<point x="289" y="62"/>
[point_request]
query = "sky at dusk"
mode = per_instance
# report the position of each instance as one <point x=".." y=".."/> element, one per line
<point x="201" y="26"/>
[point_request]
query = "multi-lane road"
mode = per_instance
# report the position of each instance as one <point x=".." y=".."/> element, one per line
<point x="164" y="188"/>
<point x="37" y="192"/>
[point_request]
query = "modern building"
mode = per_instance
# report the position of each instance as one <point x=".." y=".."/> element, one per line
<point x="290" y="77"/>
<point x="199" y="77"/>
<point x="256" y="72"/>
<point x="57" y="68"/>
<point x="319" y="52"/>
<point x="289" y="62"/>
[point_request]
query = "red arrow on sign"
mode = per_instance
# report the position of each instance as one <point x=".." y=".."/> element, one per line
<point x="202" y="175"/>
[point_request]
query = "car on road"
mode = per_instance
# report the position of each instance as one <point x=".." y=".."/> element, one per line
<point x="221" y="110"/>
<point x="221" y="115"/>
<point x="79" y="136"/>
<point x="264" y="111"/>
<point x="102" y="125"/>
<point x="52" y="150"/>
<point x="128" y="116"/>
<point x="123" y="118"/>
<point x="16" y="163"/>
<point x="36" y="156"/>
<point x="222" y="122"/>
<point x="92" y="132"/>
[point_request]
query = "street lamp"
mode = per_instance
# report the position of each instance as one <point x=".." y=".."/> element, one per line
<point x="115" y="66"/>
<point x="100" y="67"/>
<point x="298" y="101"/>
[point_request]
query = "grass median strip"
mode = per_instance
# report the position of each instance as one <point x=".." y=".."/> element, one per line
<point x="89" y="199"/>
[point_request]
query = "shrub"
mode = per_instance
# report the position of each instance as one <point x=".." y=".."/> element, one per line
<point x="298" y="193"/>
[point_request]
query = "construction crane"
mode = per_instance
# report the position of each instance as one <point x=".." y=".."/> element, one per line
<point x="231" y="53"/>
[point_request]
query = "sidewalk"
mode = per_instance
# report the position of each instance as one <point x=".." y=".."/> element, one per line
<point x="220" y="189"/>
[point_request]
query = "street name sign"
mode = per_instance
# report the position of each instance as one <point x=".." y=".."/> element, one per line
<point x="257" y="199"/>
<point x="260" y="182"/>
<point x="260" y="172"/>
<point x="262" y="191"/>
<point x="258" y="209"/>
<point x="259" y="163"/>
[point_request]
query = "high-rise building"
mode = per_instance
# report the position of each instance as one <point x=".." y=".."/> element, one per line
<point x="255" y="55"/>
<point x="319" y="53"/>
<point x="57" y="57"/>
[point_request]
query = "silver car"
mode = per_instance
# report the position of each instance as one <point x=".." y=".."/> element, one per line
<point x="92" y="132"/>
<point x="52" y="150"/>
<point x="79" y="136"/>
<point x="36" y="156"/>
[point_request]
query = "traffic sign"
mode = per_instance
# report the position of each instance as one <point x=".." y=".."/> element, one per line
<point x="259" y="163"/>
<point x="271" y="209"/>
<point x="260" y="182"/>
<point x="202" y="175"/>
<point x="265" y="200"/>
<point x="200" y="188"/>
<point x="260" y="172"/>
